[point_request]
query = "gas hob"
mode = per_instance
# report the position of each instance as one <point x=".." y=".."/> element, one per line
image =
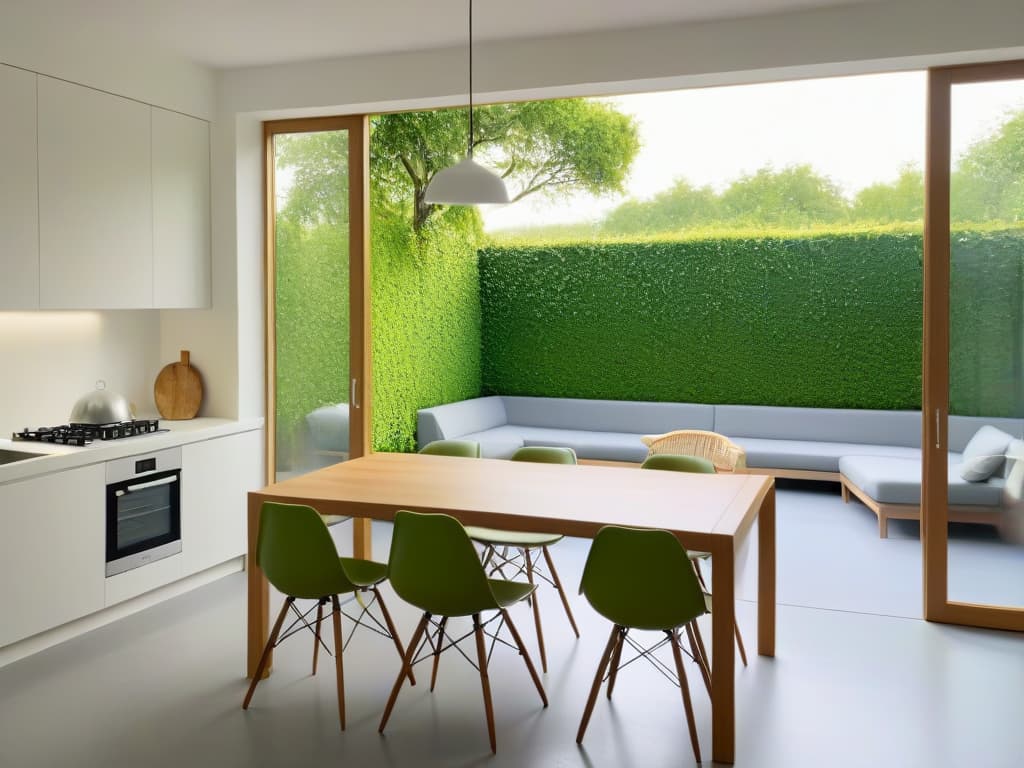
<point x="83" y="434"/>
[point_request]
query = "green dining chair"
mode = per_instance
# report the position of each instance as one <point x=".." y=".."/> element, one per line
<point x="518" y="550"/>
<point x="434" y="566"/>
<point x="465" y="448"/>
<point x="643" y="580"/>
<point x="298" y="557"/>
<point x="675" y="462"/>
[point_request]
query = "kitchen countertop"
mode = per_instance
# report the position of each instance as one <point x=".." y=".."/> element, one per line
<point x="57" y="458"/>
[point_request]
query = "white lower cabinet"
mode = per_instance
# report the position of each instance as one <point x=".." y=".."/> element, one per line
<point x="215" y="477"/>
<point x="52" y="550"/>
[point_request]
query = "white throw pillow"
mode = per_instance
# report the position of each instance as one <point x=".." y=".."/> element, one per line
<point x="984" y="454"/>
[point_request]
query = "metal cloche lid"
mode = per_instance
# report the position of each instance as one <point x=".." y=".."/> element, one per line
<point x="101" y="407"/>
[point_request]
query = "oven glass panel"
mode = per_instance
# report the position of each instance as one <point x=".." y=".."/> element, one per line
<point x="143" y="515"/>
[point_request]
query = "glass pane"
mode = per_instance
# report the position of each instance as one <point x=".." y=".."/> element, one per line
<point x="311" y="193"/>
<point x="986" y="490"/>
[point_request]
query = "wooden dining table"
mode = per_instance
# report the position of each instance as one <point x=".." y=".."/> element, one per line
<point x="712" y="513"/>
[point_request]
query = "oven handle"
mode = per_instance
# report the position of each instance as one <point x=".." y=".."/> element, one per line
<point x="150" y="484"/>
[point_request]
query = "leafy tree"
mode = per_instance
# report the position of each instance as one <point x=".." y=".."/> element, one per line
<point x="795" y="196"/>
<point x="988" y="183"/>
<point x="679" y="206"/>
<point x="536" y="146"/>
<point x="318" y="162"/>
<point x="901" y="200"/>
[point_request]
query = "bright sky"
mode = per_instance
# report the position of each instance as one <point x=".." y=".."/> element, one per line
<point x="856" y="130"/>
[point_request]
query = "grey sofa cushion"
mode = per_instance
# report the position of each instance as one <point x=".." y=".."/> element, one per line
<point x="984" y="454"/>
<point x="963" y="428"/>
<point x="892" y="480"/>
<point x="813" y="455"/>
<point x="606" y="446"/>
<point x="837" y="425"/>
<point x="607" y="415"/>
<point x="328" y="427"/>
<point x="497" y="443"/>
<point x="453" y="420"/>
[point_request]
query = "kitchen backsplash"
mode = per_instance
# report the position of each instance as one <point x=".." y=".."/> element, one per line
<point x="50" y="359"/>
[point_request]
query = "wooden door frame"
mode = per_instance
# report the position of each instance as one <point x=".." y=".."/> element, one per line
<point x="360" y="364"/>
<point x="935" y="354"/>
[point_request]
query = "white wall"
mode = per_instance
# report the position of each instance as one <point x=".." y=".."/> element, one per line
<point x="50" y="359"/>
<point x="887" y="36"/>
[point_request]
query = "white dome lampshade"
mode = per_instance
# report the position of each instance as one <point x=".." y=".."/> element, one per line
<point x="466" y="183"/>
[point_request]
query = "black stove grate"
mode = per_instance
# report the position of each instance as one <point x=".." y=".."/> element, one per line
<point x="83" y="434"/>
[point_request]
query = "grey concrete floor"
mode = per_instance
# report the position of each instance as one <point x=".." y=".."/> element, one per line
<point x="852" y="684"/>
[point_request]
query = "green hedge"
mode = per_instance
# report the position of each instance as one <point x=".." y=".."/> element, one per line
<point x="826" y="320"/>
<point x="426" y="324"/>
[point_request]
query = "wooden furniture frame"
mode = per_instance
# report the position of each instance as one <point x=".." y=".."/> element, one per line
<point x="713" y="513"/>
<point x="886" y="512"/>
<point x="935" y="349"/>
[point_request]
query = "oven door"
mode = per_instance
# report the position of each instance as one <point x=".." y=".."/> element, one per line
<point x="143" y="520"/>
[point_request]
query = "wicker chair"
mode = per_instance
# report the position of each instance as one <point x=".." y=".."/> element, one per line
<point x="716" y="448"/>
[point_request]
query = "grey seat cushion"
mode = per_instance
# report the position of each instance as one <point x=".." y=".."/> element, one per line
<point x="452" y="421"/>
<point x="812" y="455"/>
<point x="892" y="480"/>
<point x="838" y="425"/>
<point x="502" y="442"/>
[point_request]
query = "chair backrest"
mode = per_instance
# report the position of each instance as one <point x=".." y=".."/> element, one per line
<point x="641" y="578"/>
<point x="464" y="448"/>
<point x="296" y="552"/>
<point x="544" y="454"/>
<point x="716" y="448"/>
<point x="434" y="566"/>
<point x="677" y="462"/>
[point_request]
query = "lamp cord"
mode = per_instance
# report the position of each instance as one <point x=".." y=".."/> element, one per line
<point x="470" y="152"/>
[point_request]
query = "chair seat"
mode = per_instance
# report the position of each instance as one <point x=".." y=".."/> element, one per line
<point x="511" y="538"/>
<point x="363" y="573"/>
<point x="510" y="592"/>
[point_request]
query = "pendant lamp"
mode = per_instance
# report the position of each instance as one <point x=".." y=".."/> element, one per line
<point x="467" y="182"/>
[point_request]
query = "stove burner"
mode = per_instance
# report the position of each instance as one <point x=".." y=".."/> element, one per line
<point x="83" y="434"/>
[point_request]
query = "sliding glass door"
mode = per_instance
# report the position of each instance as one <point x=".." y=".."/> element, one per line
<point x="317" y="313"/>
<point x="973" y="497"/>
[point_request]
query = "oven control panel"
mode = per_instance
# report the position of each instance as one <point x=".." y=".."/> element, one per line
<point x="130" y="467"/>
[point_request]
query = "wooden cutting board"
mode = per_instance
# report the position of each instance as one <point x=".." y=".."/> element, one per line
<point x="178" y="390"/>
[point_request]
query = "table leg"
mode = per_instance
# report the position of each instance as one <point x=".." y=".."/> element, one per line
<point x="766" y="575"/>
<point x="258" y="596"/>
<point x="723" y="657"/>
<point x="362" y="538"/>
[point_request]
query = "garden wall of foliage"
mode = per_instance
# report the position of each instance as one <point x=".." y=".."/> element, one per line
<point x="426" y="325"/>
<point x="823" y="320"/>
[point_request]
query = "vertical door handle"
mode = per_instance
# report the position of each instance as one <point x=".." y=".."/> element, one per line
<point x="938" y="428"/>
<point x="354" y="399"/>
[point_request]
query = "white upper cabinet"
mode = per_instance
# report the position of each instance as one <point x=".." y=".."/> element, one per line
<point x="19" y="201"/>
<point x="95" y="199"/>
<point x="123" y="201"/>
<point x="181" y="210"/>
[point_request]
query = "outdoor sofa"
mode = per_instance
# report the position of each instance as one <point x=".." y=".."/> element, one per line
<point x="874" y="454"/>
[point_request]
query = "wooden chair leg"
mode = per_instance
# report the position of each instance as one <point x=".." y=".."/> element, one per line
<point x="739" y="641"/>
<point x="485" y="684"/>
<point x="602" y="665"/>
<point x="699" y="654"/>
<point x="526" y="656"/>
<point x="536" y="611"/>
<point x="685" y="689"/>
<point x="404" y="671"/>
<point x="561" y="592"/>
<point x="616" y="658"/>
<point x="437" y="651"/>
<point x="735" y="624"/>
<point x="316" y="639"/>
<point x="393" y="632"/>
<point x="266" y="652"/>
<point x="338" y="664"/>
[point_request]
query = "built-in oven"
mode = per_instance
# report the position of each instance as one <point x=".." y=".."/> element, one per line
<point x="143" y="509"/>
